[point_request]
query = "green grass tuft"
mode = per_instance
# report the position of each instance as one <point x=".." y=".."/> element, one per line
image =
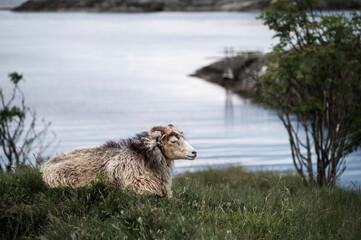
<point x="212" y="204"/>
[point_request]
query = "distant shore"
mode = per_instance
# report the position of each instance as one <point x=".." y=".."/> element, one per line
<point x="166" y="5"/>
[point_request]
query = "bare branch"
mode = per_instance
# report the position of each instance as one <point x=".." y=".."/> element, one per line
<point x="17" y="139"/>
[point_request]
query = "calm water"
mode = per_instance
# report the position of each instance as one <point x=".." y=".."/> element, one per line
<point x="100" y="77"/>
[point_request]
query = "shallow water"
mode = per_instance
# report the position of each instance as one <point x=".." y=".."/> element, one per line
<point x="105" y="76"/>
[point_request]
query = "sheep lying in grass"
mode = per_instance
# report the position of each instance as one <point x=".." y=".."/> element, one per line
<point x="143" y="163"/>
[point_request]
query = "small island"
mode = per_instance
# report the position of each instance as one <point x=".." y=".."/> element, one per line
<point x="246" y="67"/>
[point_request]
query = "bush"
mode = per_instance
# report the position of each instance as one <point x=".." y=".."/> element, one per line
<point x="314" y="81"/>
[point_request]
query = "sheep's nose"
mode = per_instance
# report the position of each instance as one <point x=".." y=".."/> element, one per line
<point x="194" y="153"/>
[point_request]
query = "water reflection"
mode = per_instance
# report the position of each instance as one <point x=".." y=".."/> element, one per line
<point x="228" y="80"/>
<point x="228" y="116"/>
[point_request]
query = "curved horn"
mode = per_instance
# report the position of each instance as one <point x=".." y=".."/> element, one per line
<point x="162" y="129"/>
<point x="172" y="127"/>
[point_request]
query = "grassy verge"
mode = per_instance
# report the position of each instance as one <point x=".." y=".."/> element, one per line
<point x="213" y="204"/>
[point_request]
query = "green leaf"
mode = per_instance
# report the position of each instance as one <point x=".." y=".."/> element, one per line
<point x="15" y="77"/>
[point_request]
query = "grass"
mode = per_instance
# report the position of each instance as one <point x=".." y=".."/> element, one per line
<point x="213" y="204"/>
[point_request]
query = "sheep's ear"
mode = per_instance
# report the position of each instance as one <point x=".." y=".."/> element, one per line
<point x="164" y="138"/>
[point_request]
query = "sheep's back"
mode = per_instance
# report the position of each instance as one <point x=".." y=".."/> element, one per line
<point x="75" y="168"/>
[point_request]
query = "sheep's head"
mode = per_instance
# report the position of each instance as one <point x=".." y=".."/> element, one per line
<point x="173" y="144"/>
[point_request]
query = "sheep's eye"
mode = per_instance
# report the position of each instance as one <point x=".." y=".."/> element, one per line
<point x="175" y="142"/>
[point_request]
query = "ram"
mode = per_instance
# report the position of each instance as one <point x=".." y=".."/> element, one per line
<point x="143" y="163"/>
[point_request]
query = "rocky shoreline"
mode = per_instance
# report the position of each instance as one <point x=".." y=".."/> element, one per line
<point x="166" y="5"/>
<point x="142" y="5"/>
<point x="246" y="68"/>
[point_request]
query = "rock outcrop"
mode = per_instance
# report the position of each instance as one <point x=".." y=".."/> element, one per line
<point x="247" y="67"/>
